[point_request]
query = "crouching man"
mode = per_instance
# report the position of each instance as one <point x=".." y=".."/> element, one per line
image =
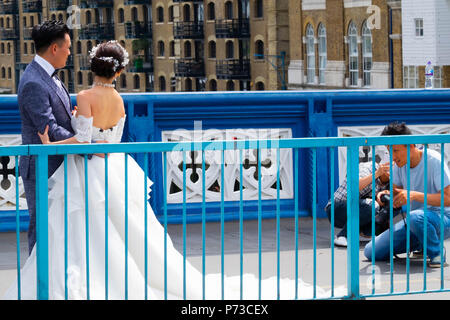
<point x="417" y="210"/>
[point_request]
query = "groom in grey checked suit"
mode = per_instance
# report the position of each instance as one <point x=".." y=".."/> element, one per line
<point x="44" y="100"/>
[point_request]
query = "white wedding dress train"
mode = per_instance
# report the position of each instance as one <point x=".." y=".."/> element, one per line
<point x="79" y="282"/>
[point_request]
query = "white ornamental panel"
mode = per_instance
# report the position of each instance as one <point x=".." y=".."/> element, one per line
<point x="365" y="153"/>
<point x="213" y="167"/>
<point x="8" y="179"/>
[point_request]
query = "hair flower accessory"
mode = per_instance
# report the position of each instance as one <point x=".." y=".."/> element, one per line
<point x="93" y="54"/>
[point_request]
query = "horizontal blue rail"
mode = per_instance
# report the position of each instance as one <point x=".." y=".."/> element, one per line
<point x="313" y="144"/>
<point x="306" y="113"/>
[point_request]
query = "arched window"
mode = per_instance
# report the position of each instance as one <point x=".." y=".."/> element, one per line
<point x="121" y="15"/>
<point x="160" y="14"/>
<point x="353" y="64"/>
<point x="3" y="48"/>
<point x="33" y="51"/>
<point x="230" y="85"/>
<point x="8" y="46"/>
<point x="212" y="49"/>
<point x="310" y="55"/>
<point x="259" y="49"/>
<point x="259" y="86"/>
<point x="53" y="17"/>
<point x="123" y="81"/>
<point x="366" y="54"/>
<point x="161" y="48"/>
<point x="322" y="53"/>
<point x="229" y="10"/>
<point x="171" y="15"/>
<point x="162" y="83"/>
<point x="79" y="47"/>
<point x="212" y="85"/>
<point x="80" y="77"/>
<point x="134" y="14"/>
<point x="137" y="82"/>
<point x="89" y="46"/>
<point x="259" y="8"/>
<point x="25" y="48"/>
<point x="187" y="49"/>
<point x="90" y="79"/>
<point x="88" y="17"/>
<point x="229" y="50"/>
<point x="3" y="73"/>
<point x="188" y="84"/>
<point x="173" y="84"/>
<point x="187" y="12"/>
<point x="211" y="11"/>
<point x="9" y="73"/>
<point x="172" y="48"/>
<point x="60" y="17"/>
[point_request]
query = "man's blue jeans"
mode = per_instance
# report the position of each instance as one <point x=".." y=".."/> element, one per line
<point x="340" y="216"/>
<point x="382" y="241"/>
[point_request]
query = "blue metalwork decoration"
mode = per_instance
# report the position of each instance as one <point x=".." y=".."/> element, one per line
<point x="307" y="113"/>
<point x="352" y="146"/>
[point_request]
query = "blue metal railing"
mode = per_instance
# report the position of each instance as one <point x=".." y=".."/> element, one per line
<point x="353" y="251"/>
<point x="306" y="113"/>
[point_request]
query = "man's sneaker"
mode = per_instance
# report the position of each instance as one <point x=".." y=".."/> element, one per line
<point x="364" y="238"/>
<point x="417" y="254"/>
<point x="340" y="241"/>
<point x="436" y="261"/>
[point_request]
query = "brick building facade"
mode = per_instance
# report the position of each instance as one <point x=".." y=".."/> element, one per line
<point x="174" y="45"/>
<point x="207" y="45"/>
<point x="360" y="44"/>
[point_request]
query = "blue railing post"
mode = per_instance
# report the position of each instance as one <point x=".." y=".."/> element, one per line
<point x="353" y="221"/>
<point x="42" y="226"/>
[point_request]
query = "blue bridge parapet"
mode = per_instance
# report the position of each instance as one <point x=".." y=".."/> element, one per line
<point x="254" y="115"/>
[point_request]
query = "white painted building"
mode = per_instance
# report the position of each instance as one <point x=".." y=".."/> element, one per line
<point x="425" y="37"/>
<point x="357" y="58"/>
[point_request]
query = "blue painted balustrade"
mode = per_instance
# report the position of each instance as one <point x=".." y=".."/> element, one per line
<point x="306" y="113"/>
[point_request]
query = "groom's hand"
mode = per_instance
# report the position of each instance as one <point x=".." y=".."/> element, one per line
<point x="101" y="155"/>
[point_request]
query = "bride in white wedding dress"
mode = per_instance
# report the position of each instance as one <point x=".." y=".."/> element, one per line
<point x="100" y="117"/>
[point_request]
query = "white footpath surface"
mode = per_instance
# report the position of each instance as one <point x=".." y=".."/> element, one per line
<point x="8" y="257"/>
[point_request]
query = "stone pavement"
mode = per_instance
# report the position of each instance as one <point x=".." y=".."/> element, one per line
<point x="269" y="253"/>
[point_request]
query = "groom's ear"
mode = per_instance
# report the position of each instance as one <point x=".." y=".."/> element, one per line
<point x="52" y="48"/>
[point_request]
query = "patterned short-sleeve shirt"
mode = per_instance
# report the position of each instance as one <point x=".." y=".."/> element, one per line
<point x="365" y="169"/>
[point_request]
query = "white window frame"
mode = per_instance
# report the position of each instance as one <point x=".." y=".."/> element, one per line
<point x="437" y="78"/>
<point x="311" y="55"/>
<point x="410" y="77"/>
<point x="367" y="55"/>
<point x="353" y="52"/>
<point x="418" y="25"/>
<point x="322" y="53"/>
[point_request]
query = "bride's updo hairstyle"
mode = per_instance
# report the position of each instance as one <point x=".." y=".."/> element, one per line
<point x="107" y="58"/>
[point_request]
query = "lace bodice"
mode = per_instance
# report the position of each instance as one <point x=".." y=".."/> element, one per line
<point x="85" y="131"/>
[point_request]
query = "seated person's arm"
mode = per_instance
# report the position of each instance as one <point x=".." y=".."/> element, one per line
<point x="382" y="169"/>
<point x="433" y="199"/>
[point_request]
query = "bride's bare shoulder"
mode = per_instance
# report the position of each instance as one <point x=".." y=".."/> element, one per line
<point x="120" y="101"/>
<point x="84" y="95"/>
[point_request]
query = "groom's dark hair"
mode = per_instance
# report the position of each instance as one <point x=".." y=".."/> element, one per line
<point x="47" y="32"/>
